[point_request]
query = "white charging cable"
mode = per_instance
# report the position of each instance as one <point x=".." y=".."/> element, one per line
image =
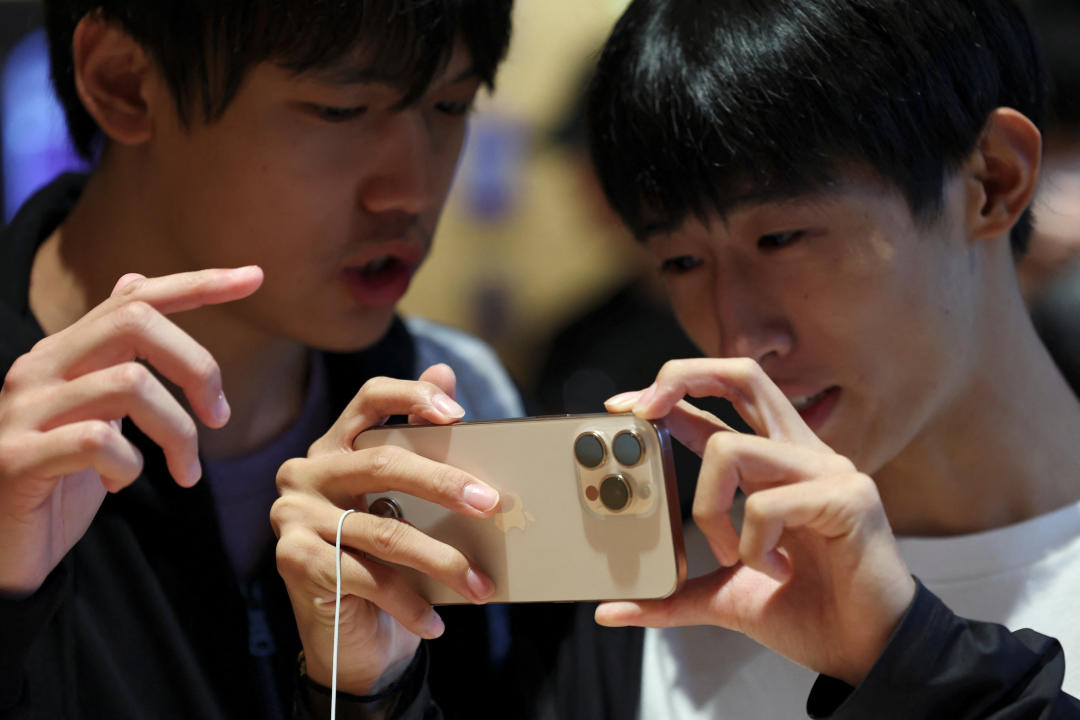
<point x="337" y="615"/>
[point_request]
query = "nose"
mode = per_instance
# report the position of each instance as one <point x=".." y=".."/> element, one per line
<point x="400" y="165"/>
<point x="749" y="322"/>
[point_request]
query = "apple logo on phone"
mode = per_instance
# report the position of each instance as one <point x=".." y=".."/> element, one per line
<point x="512" y="514"/>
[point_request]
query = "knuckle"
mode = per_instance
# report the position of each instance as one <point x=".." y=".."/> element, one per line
<point x="668" y="369"/>
<point x="387" y="536"/>
<point x="862" y="490"/>
<point x="383" y="461"/>
<point x="131" y="289"/>
<point x="288" y="475"/>
<point x="132" y="378"/>
<point x="448" y="482"/>
<point x="296" y="555"/>
<point x="746" y="370"/>
<point x="134" y="317"/>
<point x="722" y="443"/>
<point x="373" y="384"/>
<point x="94" y="436"/>
<point x="19" y="372"/>
<point x="755" y="510"/>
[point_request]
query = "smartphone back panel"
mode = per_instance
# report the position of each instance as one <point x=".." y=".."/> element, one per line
<point x="588" y="508"/>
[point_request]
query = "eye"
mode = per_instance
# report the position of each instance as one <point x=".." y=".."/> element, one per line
<point x="679" y="265"/>
<point x="338" y="114"/>
<point x="775" y="241"/>
<point x="454" y="108"/>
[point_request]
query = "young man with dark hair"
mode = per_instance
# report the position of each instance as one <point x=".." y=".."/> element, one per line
<point x="836" y="192"/>
<point x="309" y="146"/>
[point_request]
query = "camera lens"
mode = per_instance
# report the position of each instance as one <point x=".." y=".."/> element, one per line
<point x="627" y="448"/>
<point x="385" y="507"/>
<point x="615" y="493"/>
<point x="589" y="450"/>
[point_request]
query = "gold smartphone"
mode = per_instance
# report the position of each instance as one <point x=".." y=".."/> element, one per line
<point x="588" y="510"/>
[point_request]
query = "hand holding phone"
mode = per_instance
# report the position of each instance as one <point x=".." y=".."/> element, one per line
<point x="588" y="506"/>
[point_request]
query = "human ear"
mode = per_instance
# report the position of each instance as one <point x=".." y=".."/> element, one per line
<point x="1003" y="173"/>
<point x="111" y="71"/>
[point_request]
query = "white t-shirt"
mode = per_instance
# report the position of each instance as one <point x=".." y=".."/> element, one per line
<point x="1023" y="575"/>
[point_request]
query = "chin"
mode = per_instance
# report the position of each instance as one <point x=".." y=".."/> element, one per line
<point x="351" y="336"/>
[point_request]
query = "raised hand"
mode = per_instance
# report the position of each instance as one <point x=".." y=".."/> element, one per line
<point x="61" y="449"/>
<point x="815" y="574"/>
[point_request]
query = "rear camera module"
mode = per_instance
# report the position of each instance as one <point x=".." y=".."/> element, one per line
<point x="589" y="449"/>
<point x="615" y="493"/>
<point x="627" y="448"/>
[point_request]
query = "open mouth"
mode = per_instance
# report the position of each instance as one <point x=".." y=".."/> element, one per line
<point x="805" y="401"/>
<point x="380" y="281"/>
<point x="815" y="409"/>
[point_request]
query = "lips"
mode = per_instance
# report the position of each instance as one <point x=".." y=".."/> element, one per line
<point x="815" y="409"/>
<point x="381" y="278"/>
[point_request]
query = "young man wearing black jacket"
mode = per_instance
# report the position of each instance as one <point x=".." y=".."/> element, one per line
<point x="309" y="146"/>
<point x="835" y="192"/>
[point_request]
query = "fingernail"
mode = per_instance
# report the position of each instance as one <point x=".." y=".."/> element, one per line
<point x="221" y="410"/>
<point x="478" y="585"/>
<point x="434" y="627"/>
<point x="482" y="497"/>
<point x="622" y="401"/>
<point x="446" y="405"/>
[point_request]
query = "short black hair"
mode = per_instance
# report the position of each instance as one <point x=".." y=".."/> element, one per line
<point x="700" y="105"/>
<point x="204" y="48"/>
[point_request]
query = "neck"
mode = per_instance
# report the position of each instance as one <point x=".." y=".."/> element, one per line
<point x="1003" y="451"/>
<point x="112" y="231"/>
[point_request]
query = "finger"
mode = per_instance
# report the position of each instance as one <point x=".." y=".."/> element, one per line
<point x="129" y="390"/>
<point x="305" y="559"/>
<point x="389" y="590"/>
<point x="388" y="540"/>
<point x="124" y="281"/>
<point x="398" y="542"/>
<point x="441" y="376"/>
<point x="700" y="601"/>
<point x="739" y="380"/>
<point x="754" y="463"/>
<point x="344" y="477"/>
<point x="693" y="426"/>
<point x="175" y="293"/>
<point x="381" y="397"/>
<point x="89" y="444"/>
<point x="834" y="508"/>
<point x="137" y="330"/>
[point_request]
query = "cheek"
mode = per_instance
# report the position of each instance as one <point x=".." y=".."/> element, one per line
<point x="690" y="301"/>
